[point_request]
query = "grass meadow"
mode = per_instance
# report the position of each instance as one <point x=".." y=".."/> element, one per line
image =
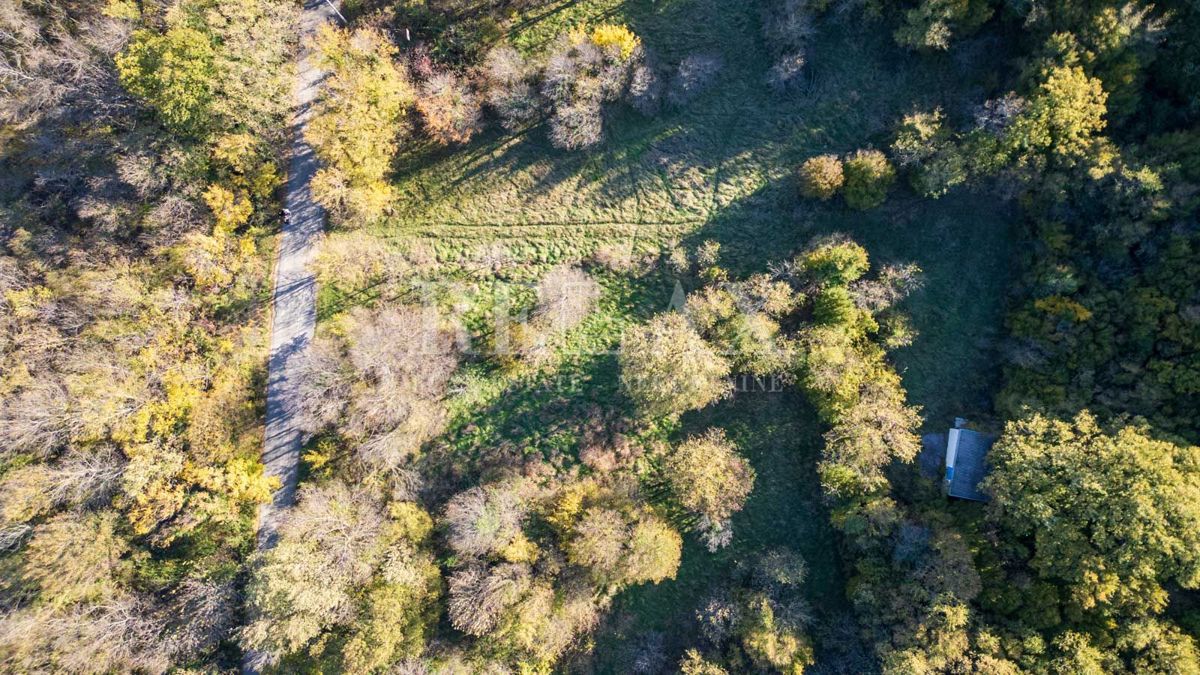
<point x="493" y="215"/>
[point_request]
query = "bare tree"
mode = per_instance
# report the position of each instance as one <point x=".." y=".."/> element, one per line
<point x="407" y="344"/>
<point x="510" y="90"/>
<point x="201" y="614"/>
<point x="478" y="595"/>
<point x="83" y="478"/>
<point x="484" y="519"/>
<point x="322" y="385"/>
<point x="343" y="521"/>
<point x="894" y="283"/>
<point x="39" y="419"/>
<point x="566" y="296"/>
<point x="118" y="634"/>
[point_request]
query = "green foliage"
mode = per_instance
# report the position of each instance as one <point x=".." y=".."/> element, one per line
<point x="693" y="663"/>
<point x="869" y="176"/>
<point x="741" y="326"/>
<point x="175" y="72"/>
<point x="834" y="306"/>
<point x="1054" y="480"/>
<point x="926" y="149"/>
<point x="932" y="24"/>
<point x="834" y="262"/>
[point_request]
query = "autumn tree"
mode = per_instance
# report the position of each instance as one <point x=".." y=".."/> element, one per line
<point x="479" y="595"/>
<point x="620" y="549"/>
<point x="396" y="403"/>
<point x="821" y="177"/>
<point x="1061" y="121"/>
<point x="72" y="558"/>
<point x="876" y="430"/>
<point x="710" y="480"/>
<point x="217" y="66"/>
<point x="484" y="519"/>
<point x="358" y="123"/>
<point x="449" y="109"/>
<point x="668" y="369"/>
<point x="344" y="561"/>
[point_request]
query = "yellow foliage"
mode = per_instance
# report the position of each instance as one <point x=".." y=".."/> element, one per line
<point x="13" y="377"/>
<point x="520" y="550"/>
<point x="122" y="9"/>
<point x="240" y="480"/>
<point x="153" y="486"/>
<point x="231" y="210"/>
<point x="25" y="303"/>
<point x="181" y="395"/>
<point x="569" y="505"/>
<point x="357" y="127"/>
<point x="1063" y="307"/>
<point x="246" y="247"/>
<point x="320" y="458"/>
<point x="237" y="152"/>
<point x="620" y="38"/>
<point x="239" y="160"/>
<point x="213" y="261"/>
<point x="410" y="522"/>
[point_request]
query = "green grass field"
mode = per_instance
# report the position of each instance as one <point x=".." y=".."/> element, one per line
<point x="720" y="169"/>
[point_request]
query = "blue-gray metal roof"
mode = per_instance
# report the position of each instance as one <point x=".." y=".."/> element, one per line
<point x="970" y="465"/>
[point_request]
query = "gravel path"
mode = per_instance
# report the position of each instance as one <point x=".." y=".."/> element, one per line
<point x="294" y="301"/>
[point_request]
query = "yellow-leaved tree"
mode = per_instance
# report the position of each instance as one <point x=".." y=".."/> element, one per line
<point x="358" y="123"/>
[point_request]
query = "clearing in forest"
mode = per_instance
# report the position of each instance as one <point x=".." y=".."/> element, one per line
<point x="493" y="215"/>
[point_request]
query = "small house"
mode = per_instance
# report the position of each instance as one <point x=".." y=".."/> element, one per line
<point x="966" y="462"/>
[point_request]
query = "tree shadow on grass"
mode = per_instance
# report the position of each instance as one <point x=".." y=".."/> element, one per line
<point x="542" y="415"/>
<point x="694" y="161"/>
<point x="779" y="434"/>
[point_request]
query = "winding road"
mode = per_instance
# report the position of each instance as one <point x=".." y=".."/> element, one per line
<point x="294" y="301"/>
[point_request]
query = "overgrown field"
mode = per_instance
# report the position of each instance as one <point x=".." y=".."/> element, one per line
<point x="494" y="215"/>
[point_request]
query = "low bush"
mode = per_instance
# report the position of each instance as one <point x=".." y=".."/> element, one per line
<point x="695" y="74"/>
<point x="821" y="177"/>
<point x="869" y="176"/>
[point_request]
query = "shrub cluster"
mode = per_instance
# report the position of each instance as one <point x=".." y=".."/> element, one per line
<point x="865" y="176"/>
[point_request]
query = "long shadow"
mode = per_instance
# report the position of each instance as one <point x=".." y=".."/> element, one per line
<point x="542" y="415"/>
<point x="700" y="158"/>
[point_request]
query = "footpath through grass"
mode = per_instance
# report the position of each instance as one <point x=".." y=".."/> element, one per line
<point x="507" y="207"/>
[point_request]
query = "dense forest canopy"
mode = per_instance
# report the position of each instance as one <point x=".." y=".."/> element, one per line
<point x="562" y="237"/>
